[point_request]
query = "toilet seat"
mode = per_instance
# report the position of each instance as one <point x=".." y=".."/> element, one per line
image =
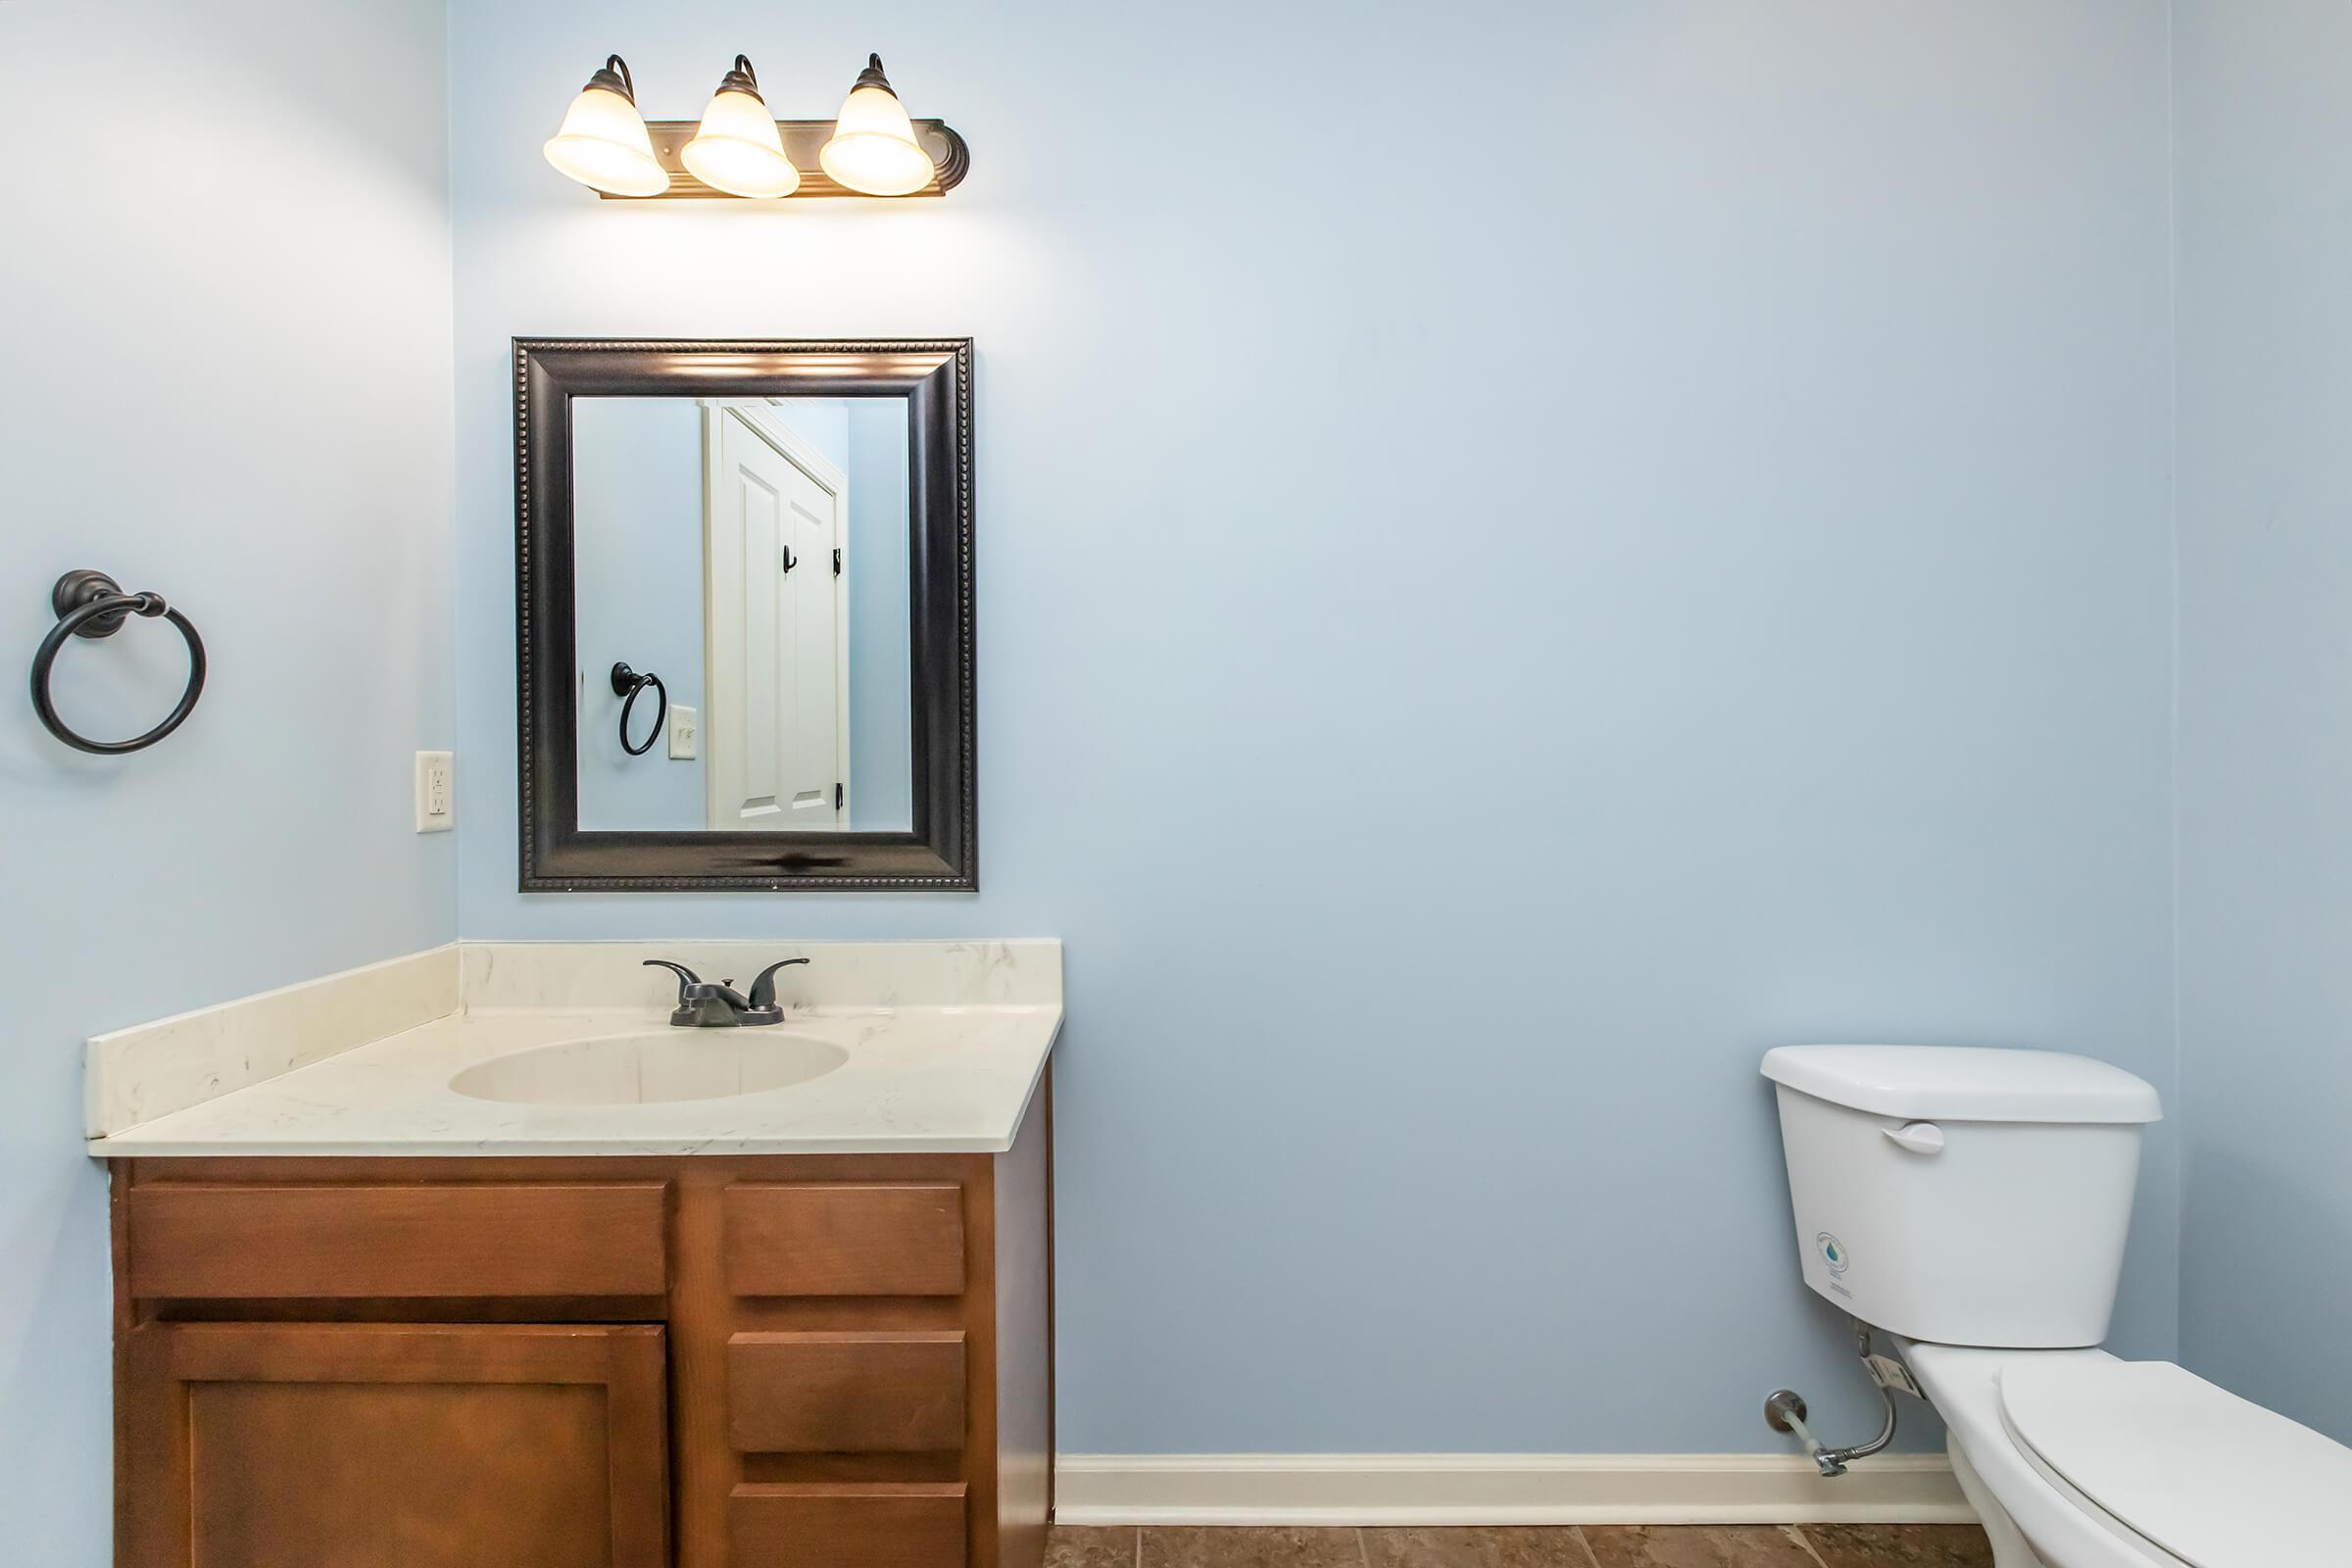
<point x="2214" y="1479"/>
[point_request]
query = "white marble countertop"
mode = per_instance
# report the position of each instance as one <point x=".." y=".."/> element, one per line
<point x="942" y="1079"/>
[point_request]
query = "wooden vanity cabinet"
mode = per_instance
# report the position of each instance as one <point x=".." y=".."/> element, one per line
<point x="820" y="1361"/>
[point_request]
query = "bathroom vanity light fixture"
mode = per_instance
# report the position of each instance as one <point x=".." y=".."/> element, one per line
<point x="603" y="143"/>
<point x="874" y="149"/>
<point x="871" y="147"/>
<point x="737" y="148"/>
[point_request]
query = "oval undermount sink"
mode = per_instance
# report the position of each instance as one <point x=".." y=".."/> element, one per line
<point x="650" y="1068"/>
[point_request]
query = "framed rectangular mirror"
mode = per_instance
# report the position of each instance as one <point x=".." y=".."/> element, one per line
<point x="744" y="615"/>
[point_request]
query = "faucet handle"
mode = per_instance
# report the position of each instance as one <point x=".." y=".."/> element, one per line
<point x="764" y="989"/>
<point x="686" y="977"/>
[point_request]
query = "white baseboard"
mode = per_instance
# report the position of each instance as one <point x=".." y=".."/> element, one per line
<point x="1499" y="1489"/>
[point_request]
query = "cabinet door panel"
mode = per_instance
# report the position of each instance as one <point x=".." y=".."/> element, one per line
<point x="380" y="1445"/>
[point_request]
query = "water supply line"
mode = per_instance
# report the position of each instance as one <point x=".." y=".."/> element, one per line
<point x="1785" y="1411"/>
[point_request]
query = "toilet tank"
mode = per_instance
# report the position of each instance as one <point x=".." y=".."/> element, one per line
<point x="1962" y="1196"/>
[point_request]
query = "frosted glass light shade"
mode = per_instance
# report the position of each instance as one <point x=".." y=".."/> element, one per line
<point x="603" y="143"/>
<point x="873" y="150"/>
<point x="737" y="148"/>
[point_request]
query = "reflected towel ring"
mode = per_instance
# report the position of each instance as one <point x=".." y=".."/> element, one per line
<point x="91" y="604"/>
<point x="627" y="683"/>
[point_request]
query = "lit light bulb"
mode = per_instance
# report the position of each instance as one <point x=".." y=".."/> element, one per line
<point x="602" y="143"/>
<point x="873" y="150"/>
<point x="737" y="148"/>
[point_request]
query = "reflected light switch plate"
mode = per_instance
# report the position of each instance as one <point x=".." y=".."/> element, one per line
<point x="685" y="733"/>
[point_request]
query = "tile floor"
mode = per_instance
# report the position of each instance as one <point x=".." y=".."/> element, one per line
<point x="1567" y="1547"/>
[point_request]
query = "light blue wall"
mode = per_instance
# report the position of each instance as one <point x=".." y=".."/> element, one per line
<point x="637" y="470"/>
<point x="2265" y="699"/>
<point x="227" y="378"/>
<point x="1473" y="648"/>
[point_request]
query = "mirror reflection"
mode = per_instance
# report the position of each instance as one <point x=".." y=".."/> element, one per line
<point x="741" y="590"/>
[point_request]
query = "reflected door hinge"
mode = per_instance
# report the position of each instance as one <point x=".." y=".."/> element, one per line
<point x="840" y="794"/>
<point x="837" y="561"/>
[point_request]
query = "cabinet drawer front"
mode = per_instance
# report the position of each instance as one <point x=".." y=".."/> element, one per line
<point x="844" y="1239"/>
<point x="197" y="1239"/>
<point x="876" y="1525"/>
<point x="846" y="1393"/>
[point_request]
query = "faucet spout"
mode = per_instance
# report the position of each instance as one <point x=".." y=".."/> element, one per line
<point x="718" y="1004"/>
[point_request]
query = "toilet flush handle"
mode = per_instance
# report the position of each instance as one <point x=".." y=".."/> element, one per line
<point x="1919" y="1137"/>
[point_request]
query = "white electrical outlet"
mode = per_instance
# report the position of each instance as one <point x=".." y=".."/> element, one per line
<point x="685" y="733"/>
<point x="436" y="793"/>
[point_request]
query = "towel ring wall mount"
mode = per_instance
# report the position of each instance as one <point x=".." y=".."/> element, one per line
<point x="91" y="604"/>
<point x="627" y="683"/>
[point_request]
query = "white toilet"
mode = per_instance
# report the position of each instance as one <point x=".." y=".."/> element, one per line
<point x="1974" y="1204"/>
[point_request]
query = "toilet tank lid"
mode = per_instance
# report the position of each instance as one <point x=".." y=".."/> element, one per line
<point x="1964" y="1083"/>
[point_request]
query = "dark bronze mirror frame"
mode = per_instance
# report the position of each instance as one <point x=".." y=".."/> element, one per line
<point x="939" y="851"/>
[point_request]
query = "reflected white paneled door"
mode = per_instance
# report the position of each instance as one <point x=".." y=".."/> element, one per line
<point x="775" y="721"/>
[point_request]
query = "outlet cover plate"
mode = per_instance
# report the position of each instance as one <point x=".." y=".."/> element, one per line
<point x="436" y="792"/>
